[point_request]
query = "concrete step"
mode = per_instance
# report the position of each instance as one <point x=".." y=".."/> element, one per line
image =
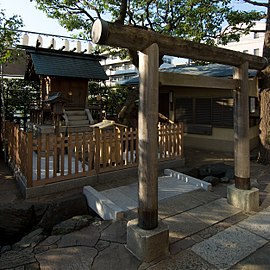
<point x="78" y="123"/>
<point x="113" y="203"/>
<point x="77" y="112"/>
<point x="78" y="128"/>
<point x="77" y="117"/>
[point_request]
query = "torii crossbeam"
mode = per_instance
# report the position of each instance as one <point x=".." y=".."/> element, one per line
<point x="152" y="46"/>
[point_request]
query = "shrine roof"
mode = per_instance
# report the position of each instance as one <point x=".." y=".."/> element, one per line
<point x="211" y="70"/>
<point x="58" y="63"/>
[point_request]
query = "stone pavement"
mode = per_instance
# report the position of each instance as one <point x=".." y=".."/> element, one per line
<point x="205" y="233"/>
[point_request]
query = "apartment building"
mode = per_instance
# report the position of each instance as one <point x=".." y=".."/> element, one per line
<point x="251" y="43"/>
<point x="119" y="70"/>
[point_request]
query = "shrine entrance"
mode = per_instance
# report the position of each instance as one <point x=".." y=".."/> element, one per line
<point x="147" y="233"/>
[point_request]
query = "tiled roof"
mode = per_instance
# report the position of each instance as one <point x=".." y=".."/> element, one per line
<point x="213" y="70"/>
<point x="66" y="64"/>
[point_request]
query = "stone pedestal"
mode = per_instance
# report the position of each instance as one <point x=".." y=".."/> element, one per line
<point x="247" y="200"/>
<point x="147" y="245"/>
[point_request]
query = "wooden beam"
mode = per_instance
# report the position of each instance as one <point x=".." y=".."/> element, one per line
<point x="148" y="140"/>
<point x="199" y="81"/>
<point x="241" y="130"/>
<point x="138" y="39"/>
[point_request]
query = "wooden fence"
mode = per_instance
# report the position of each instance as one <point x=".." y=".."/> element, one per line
<point x="48" y="158"/>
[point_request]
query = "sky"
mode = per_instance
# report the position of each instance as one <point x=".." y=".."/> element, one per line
<point x="33" y="19"/>
<point x="36" y="21"/>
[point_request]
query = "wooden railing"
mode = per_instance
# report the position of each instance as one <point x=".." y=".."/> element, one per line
<point x="48" y="158"/>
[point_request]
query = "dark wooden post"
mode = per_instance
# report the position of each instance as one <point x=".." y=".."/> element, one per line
<point x="148" y="120"/>
<point x="57" y="132"/>
<point x="241" y="129"/>
<point x="138" y="39"/>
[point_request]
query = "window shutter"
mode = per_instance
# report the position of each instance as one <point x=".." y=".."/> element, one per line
<point x="222" y="112"/>
<point x="184" y="110"/>
<point x="203" y="111"/>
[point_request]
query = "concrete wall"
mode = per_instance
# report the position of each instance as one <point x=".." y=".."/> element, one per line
<point x="222" y="139"/>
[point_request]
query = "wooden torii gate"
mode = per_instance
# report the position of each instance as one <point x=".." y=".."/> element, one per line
<point x="152" y="46"/>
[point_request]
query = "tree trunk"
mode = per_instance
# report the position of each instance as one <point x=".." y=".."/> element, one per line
<point x="264" y="151"/>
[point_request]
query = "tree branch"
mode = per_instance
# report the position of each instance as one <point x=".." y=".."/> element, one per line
<point x="148" y="15"/>
<point x="86" y="3"/>
<point x="82" y="10"/>
<point x="122" y="12"/>
<point x="255" y="3"/>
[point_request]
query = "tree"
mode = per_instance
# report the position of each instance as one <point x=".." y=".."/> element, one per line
<point x="264" y="151"/>
<point x="200" y="21"/>
<point x="20" y="96"/>
<point x="8" y="38"/>
<point x="109" y="99"/>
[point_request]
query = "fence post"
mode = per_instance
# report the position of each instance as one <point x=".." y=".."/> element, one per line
<point x="97" y="152"/>
<point x="181" y="136"/>
<point x="30" y="159"/>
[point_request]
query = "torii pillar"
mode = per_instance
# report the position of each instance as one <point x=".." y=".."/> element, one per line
<point x="147" y="237"/>
<point x="241" y="194"/>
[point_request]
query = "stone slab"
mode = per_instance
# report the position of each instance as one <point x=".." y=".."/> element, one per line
<point x="116" y="232"/>
<point x="67" y="258"/>
<point x="147" y="245"/>
<point x="102" y="205"/>
<point x="214" y="211"/>
<point x="130" y="190"/>
<point x="176" y="205"/>
<point x="204" y="196"/>
<point x="120" y="199"/>
<point x="113" y="203"/>
<point x="183" y="225"/>
<point x="259" y="260"/>
<point x="12" y="259"/>
<point x="87" y="236"/>
<point x="116" y="256"/>
<point x="247" y="200"/>
<point x="169" y="187"/>
<point x="258" y="224"/>
<point x="183" y="260"/>
<point x="228" y="247"/>
<point x="188" y="179"/>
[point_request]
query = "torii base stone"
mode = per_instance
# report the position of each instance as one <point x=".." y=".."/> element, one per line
<point x="147" y="245"/>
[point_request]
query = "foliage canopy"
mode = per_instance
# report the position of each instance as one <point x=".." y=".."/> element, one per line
<point x="200" y="21"/>
<point x="8" y="36"/>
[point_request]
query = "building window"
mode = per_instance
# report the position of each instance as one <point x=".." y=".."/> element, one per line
<point x="217" y="112"/>
<point x="256" y="35"/>
<point x="256" y="52"/>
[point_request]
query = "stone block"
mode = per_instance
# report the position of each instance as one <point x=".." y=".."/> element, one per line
<point x="103" y="206"/>
<point x="258" y="224"/>
<point x="188" y="179"/>
<point x="147" y="245"/>
<point x="247" y="200"/>
<point x="228" y="247"/>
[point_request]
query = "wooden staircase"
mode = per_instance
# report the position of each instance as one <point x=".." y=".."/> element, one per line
<point x="78" y="119"/>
